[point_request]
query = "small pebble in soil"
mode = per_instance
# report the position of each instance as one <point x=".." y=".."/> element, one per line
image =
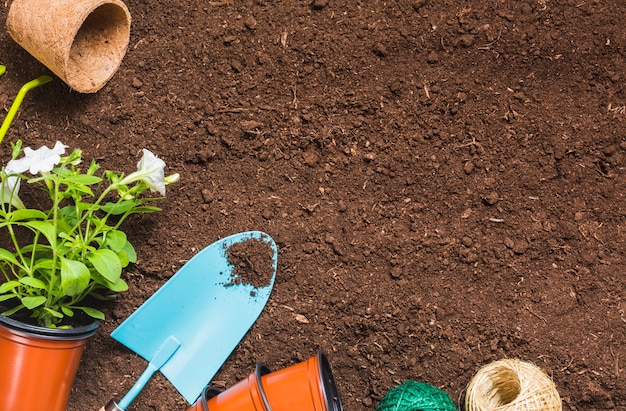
<point x="491" y="198"/>
<point x="380" y="50"/>
<point x="250" y="23"/>
<point x="267" y="214"/>
<point x="468" y="167"/>
<point x="207" y="195"/>
<point x="302" y="319"/>
<point x="466" y="40"/>
<point x="432" y="57"/>
<point x="319" y="4"/>
<point x="418" y="4"/>
<point x="228" y="40"/>
<point x="519" y="246"/>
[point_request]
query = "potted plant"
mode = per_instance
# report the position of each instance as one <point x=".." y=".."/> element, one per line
<point x="57" y="258"/>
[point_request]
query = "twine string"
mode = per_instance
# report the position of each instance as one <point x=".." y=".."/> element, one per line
<point x="512" y="385"/>
<point x="416" y="396"/>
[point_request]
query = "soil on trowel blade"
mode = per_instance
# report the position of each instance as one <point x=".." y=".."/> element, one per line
<point x="252" y="261"/>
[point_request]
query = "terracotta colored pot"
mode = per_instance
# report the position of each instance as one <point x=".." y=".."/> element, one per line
<point x="208" y="393"/>
<point x="244" y="396"/>
<point x="38" y="365"/>
<point x="307" y="386"/>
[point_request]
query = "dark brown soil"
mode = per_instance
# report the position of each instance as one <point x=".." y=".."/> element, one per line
<point x="252" y="262"/>
<point x="445" y="181"/>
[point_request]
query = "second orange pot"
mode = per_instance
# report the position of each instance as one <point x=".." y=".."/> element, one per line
<point x="307" y="386"/>
<point x="246" y="395"/>
<point x="38" y="365"/>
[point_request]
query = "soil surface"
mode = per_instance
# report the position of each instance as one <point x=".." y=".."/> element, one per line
<point x="445" y="181"/>
<point x="252" y="263"/>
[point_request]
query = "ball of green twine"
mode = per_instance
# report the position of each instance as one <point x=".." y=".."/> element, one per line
<point x="416" y="396"/>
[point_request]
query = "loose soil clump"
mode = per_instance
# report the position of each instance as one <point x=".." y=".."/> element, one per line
<point x="252" y="263"/>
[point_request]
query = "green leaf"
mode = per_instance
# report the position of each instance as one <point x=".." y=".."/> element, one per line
<point x="92" y="312"/>
<point x="101" y="297"/>
<point x="7" y="297"/>
<point x="77" y="191"/>
<point x="127" y="255"/>
<point x="8" y="286"/>
<point x="145" y="209"/>
<point x="75" y="276"/>
<point x="123" y="258"/>
<point x="67" y="311"/>
<point x="115" y="240"/>
<point x="26" y="214"/>
<point x="54" y="313"/>
<point x="33" y="302"/>
<point x="82" y="179"/>
<point x="119" y="287"/>
<point x="63" y="226"/>
<point x="117" y="208"/>
<point x="44" y="227"/>
<point x="69" y="211"/>
<point x="33" y="282"/>
<point x="12" y="311"/>
<point x="107" y="263"/>
<point x="43" y="264"/>
<point x="129" y="250"/>
<point x="6" y="255"/>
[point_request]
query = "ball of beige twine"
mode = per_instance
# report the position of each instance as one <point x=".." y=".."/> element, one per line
<point x="512" y="385"/>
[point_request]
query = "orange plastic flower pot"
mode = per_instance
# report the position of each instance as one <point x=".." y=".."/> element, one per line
<point x="208" y="393"/>
<point x="307" y="386"/>
<point x="244" y="396"/>
<point x="38" y="365"/>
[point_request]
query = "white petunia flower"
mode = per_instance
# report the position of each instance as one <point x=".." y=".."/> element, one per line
<point x="41" y="160"/>
<point x="150" y="169"/>
<point x="9" y="187"/>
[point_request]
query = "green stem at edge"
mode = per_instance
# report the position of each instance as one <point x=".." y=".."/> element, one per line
<point x="18" y="100"/>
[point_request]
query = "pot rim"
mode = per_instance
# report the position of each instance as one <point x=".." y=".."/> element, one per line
<point x="81" y="332"/>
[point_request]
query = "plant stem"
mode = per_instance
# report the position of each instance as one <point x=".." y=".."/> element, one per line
<point x="55" y="213"/>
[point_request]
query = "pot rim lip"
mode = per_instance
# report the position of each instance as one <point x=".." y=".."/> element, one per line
<point x="84" y="331"/>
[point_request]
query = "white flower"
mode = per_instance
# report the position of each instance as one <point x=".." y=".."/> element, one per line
<point x="9" y="187"/>
<point x="150" y="169"/>
<point x="41" y="160"/>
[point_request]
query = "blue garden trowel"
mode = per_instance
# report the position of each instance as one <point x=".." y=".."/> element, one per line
<point x="189" y="327"/>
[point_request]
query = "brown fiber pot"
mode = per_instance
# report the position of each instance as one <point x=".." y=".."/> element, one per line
<point x="38" y="365"/>
<point x="81" y="41"/>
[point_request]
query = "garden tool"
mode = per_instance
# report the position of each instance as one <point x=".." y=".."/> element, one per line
<point x="189" y="327"/>
<point x="18" y="100"/>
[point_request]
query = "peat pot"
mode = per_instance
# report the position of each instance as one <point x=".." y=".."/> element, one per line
<point x="81" y="41"/>
<point x="38" y="365"/>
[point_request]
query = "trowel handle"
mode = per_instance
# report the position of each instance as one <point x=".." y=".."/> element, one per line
<point x="111" y="406"/>
<point x="161" y="356"/>
<point x="137" y="387"/>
